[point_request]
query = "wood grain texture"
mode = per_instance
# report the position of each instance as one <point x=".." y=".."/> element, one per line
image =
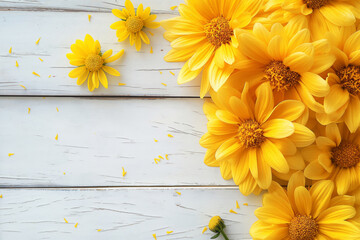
<point x="99" y="136"/>
<point x="157" y="6"/>
<point x="122" y="213"/>
<point x="142" y="72"/>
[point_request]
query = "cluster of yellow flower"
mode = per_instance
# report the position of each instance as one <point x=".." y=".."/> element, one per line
<point x="284" y="79"/>
<point x="87" y="55"/>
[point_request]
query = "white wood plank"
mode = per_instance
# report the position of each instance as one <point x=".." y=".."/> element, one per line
<point x="99" y="136"/>
<point x="58" y="30"/>
<point x="35" y="214"/>
<point x="83" y="5"/>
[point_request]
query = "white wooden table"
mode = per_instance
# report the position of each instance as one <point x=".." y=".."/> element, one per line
<point x="79" y="177"/>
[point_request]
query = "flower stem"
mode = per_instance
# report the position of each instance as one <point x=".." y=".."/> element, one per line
<point x="224" y="235"/>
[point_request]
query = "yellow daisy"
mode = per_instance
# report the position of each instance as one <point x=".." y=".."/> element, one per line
<point x="320" y="13"/>
<point x="132" y="24"/>
<point x="203" y="36"/>
<point x="91" y="63"/>
<point x="287" y="59"/>
<point x="251" y="140"/>
<point x="336" y="156"/>
<point x="343" y="103"/>
<point x="299" y="213"/>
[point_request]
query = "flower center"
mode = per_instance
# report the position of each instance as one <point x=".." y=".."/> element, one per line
<point x="134" y="24"/>
<point x="280" y="76"/>
<point x="316" y="4"/>
<point x="250" y="134"/>
<point x="218" y="31"/>
<point x="346" y="155"/>
<point x="303" y="228"/>
<point x="94" y="62"/>
<point x="350" y="78"/>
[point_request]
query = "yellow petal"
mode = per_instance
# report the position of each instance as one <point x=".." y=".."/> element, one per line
<point x="227" y="148"/>
<point x="264" y="170"/>
<point x="351" y="117"/>
<point x="130" y="7"/>
<point x="82" y="78"/>
<point x="218" y="127"/>
<point x="201" y="57"/>
<point x="103" y="78"/>
<point x="343" y="181"/>
<point x="336" y="214"/>
<point x="210" y="160"/>
<point x="252" y="159"/>
<point x="111" y="71"/>
<point x="333" y="132"/>
<point x="253" y="48"/>
<point x="308" y="99"/>
<point x="321" y="193"/>
<point x="107" y="54"/>
<point x="316" y="85"/>
<point x="338" y="14"/>
<point x="299" y="62"/>
<point x="264" y="103"/>
<point x="120" y="14"/>
<point x="303" y="201"/>
<point x="209" y="140"/>
<point x="302" y="136"/>
<point x="186" y="75"/>
<point x="274" y="157"/>
<point x="288" y="109"/>
<point x="240" y="169"/>
<point x="336" y="98"/>
<point x="278" y="128"/>
<point x="225" y="169"/>
<point x="115" y="57"/>
<point x="248" y="185"/>
<point x="77" y="72"/>
<point x="118" y="25"/>
<point x="227" y="117"/>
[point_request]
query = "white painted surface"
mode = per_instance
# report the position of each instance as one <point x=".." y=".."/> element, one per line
<point x="99" y="136"/>
<point x="125" y="213"/>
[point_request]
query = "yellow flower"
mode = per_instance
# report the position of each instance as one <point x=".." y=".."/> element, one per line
<point x="203" y="36"/>
<point x="301" y="214"/>
<point x="320" y="13"/>
<point x="251" y="140"/>
<point x="343" y="103"/>
<point x="287" y="59"/>
<point x="91" y="63"/>
<point x="132" y="24"/>
<point x="336" y="156"/>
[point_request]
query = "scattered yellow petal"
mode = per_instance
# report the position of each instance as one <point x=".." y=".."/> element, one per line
<point x="152" y="34"/>
<point x="99" y="230"/>
<point x="151" y="50"/>
<point x="154" y="235"/>
<point x="237" y="204"/>
<point x="172" y="73"/>
<point x="122" y="84"/>
<point x="168" y="232"/>
<point x="89" y="17"/>
<point x="155" y="140"/>
<point x="41" y="59"/>
<point x="49" y="76"/>
<point x="179" y="193"/>
<point x="170" y="136"/>
<point x="64" y="173"/>
<point x="29" y="109"/>
<point x="23" y="86"/>
<point x="164" y="84"/>
<point x="11" y="154"/>
<point x="204" y="230"/>
<point x="246" y="204"/>
<point x="161" y="157"/>
<point x="76" y="225"/>
<point x="10" y="50"/>
<point x="1" y="196"/>
<point x="66" y="220"/>
<point x="232" y="211"/>
<point x="57" y="109"/>
<point x="57" y="137"/>
<point x="16" y="64"/>
<point x="156" y="160"/>
<point x="124" y="172"/>
<point x="173" y="7"/>
<point x="161" y="72"/>
<point x="36" y="74"/>
<point x="37" y="42"/>
<point x="167" y="157"/>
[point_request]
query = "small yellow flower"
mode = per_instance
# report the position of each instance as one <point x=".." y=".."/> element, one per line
<point x="91" y="63"/>
<point x="132" y="24"/>
<point x="298" y="213"/>
<point x="336" y="156"/>
<point x="217" y="226"/>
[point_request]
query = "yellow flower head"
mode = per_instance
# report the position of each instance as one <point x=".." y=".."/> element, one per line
<point x="320" y="13"/>
<point x="203" y="36"/>
<point x="343" y="103"/>
<point x="216" y="223"/>
<point x="299" y="213"/>
<point x="132" y="24"/>
<point x="91" y="63"/>
<point x="250" y="140"/>
<point x="335" y="156"/>
<point x="287" y="59"/>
